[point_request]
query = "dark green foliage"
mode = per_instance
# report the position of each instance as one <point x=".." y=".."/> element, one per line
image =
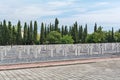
<point x="74" y="33"/>
<point x="96" y="37"/>
<point x="52" y="34"/>
<point x="48" y="30"/>
<point x="119" y="30"/>
<point x="31" y="33"/>
<point x="95" y="27"/>
<point x="66" y="39"/>
<point x="117" y="36"/>
<point x="28" y="36"/>
<point x="50" y="27"/>
<point x="9" y="33"/>
<point x="19" y="36"/>
<point x="112" y="35"/>
<point x="80" y="35"/>
<point x="85" y="33"/>
<point x="35" y="31"/>
<point x="66" y="30"/>
<point x="14" y="34"/>
<point x="42" y="34"/>
<point x="56" y="24"/>
<point x="5" y="33"/>
<point x="54" y="37"/>
<point x="1" y="33"/>
<point x="45" y="32"/>
<point x="62" y="31"/>
<point x="25" y="35"/>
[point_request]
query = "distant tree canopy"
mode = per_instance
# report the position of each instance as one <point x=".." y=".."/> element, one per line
<point x="66" y="39"/>
<point x="29" y="34"/>
<point x="54" y="37"/>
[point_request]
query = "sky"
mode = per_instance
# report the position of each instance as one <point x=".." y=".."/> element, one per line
<point x="105" y="13"/>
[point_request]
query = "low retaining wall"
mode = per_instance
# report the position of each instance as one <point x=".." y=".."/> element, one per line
<point x="37" y="53"/>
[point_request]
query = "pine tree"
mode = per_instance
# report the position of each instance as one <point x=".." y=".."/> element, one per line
<point x="35" y="31"/>
<point x="56" y="24"/>
<point x="25" y="33"/>
<point x="42" y="35"/>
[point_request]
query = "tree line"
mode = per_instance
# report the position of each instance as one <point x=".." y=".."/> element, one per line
<point x="28" y="34"/>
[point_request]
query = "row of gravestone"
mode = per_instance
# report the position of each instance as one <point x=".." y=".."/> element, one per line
<point x="45" y="51"/>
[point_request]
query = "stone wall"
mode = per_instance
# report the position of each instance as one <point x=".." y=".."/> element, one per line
<point x="36" y="53"/>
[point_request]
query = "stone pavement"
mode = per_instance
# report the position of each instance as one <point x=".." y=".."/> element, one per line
<point x="54" y="63"/>
<point x="103" y="70"/>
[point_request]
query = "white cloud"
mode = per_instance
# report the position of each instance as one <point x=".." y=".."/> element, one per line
<point x="68" y="11"/>
<point x="102" y="3"/>
<point x="59" y="3"/>
<point x="28" y="12"/>
<point x="36" y="11"/>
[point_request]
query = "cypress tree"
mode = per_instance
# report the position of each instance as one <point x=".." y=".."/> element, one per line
<point x="85" y="34"/>
<point x="86" y="31"/>
<point x="35" y="31"/>
<point x="80" y="33"/>
<point x="48" y="30"/>
<point x="5" y="33"/>
<point x="62" y="31"/>
<point x="119" y="30"/>
<point x="56" y="24"/>
<point x="69" y="31"/>
<point x="28" y="36"/>
<point x="19" y="36"/>
<point x="45" y="31"/>
<point x="25" y="33"/>
<point x="112" y="35"/>
<point x="95" y="27"/>
<point x="53" y="27"/>
<point x="76" y="32"/>
<point x="42" y="35"/>
<point x="1" y="33"/>
<point x="109" y="36"/>
<point x="9" y="33"/>
<point x="31" y="33"/>
<point x="14" y="35"/>
<point x="66" y="30"/>
<point x="50" y="27"/>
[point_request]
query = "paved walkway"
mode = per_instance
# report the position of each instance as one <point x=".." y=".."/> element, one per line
<point x="53" y="63"/>
<point x="102" y="70"/>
